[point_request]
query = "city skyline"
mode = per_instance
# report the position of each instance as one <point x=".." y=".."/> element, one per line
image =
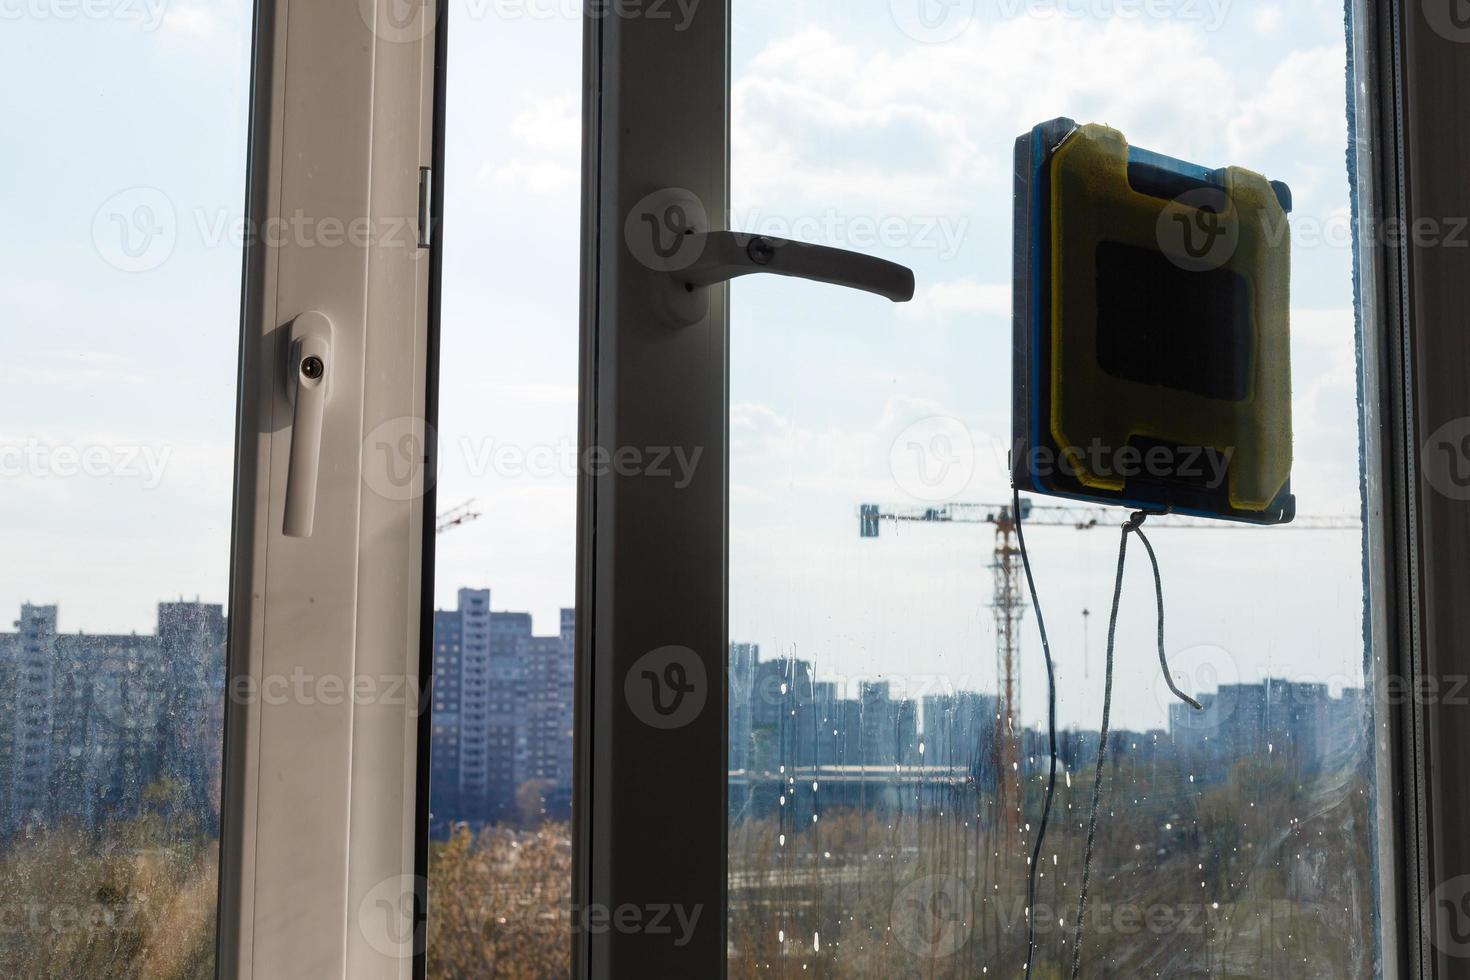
<point x="94" y="719"/>
<point x="848" y="684"/>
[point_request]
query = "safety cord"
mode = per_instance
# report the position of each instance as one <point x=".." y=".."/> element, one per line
<point x="1133" y="525"/>
<point x="1159" y="597"/>
<point x="1051" y="730"/>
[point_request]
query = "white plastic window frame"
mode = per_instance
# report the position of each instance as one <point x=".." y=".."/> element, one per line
<point x="319" y="816"/>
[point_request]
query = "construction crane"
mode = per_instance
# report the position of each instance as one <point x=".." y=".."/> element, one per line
<point x="1081" y="518"/>
<point x="1009" y="601"/>
<point x="453" y="518"/>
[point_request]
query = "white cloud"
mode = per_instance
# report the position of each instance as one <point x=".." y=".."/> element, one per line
<point x="191" y="21"/>
<point x="961" y="297"/>
<point x="1267" y="19"/>
<point x="533" y="176"/>
<point x="551" y="125"/>
<point x="547" y="158"/>
<point x="775" y="457"/>
<point x="1324" y="370"/>
<point x="1301" y="102"/>
<point x="826" y="123"/>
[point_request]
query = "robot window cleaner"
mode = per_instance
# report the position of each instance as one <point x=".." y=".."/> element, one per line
<point x="1152" y="363"/>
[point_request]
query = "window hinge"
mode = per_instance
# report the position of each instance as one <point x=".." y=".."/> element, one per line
<point x="426" y="197"/>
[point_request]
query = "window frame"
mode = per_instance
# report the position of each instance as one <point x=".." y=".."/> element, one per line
<point x="1425" y="76"/>
<point x="641" y="135"/>
<point x="1378" y="46"/>
<point x="318" y="808"/>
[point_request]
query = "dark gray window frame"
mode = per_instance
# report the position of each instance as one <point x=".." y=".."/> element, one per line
<point x="1424" y="147"/>
<point x="650" y="805"/>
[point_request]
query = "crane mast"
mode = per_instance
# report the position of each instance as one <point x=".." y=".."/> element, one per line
<point x="1008" y="605"/>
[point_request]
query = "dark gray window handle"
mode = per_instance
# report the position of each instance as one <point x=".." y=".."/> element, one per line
<point x="728" y="255"/>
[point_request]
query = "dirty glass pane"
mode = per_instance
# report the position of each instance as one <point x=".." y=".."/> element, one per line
<point x="124" y="186"/>
<point x="887" y="691"/>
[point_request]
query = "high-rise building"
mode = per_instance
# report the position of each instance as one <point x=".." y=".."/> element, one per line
<point x="549" y="684"/>
<point x="510" y="658"/>
<point x="782" y="716"/>
<point x="546" y="712"/>
<point x="1300" y="721"/>
<point x="29" y="716"/>
<point x="743" y="660"/>
<point x="88" y="722"/>
<point x="475" y="749"/>
<point x="959" y="729"/>
<point x="889" y="728"/>
<point x="192" y="640"/>
<point x="501" y="748"/>
<point x="445" y="732"/>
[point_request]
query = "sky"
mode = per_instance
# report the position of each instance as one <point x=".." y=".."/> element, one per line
<point x="855" y="123"/>
<point x="117" y="371"/>
<point x="843" y="124"/>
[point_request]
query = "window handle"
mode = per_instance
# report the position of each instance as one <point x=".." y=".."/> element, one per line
<point x="725" y="255"/>
<point x="307" y="376"/>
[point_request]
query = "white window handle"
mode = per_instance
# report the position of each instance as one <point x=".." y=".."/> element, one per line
<point x="725" y="255"/>
<point x="308" y="381"/>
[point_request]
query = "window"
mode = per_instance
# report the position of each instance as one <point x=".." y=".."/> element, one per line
<point x="780" y="708"/>
<point x="888" y="697"/>
<point x="122" y="304"/>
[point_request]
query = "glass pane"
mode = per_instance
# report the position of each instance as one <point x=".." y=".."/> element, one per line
<point x="888" y="752"/>
<point x="124" y="191"/>
<point x="501" y="750"/>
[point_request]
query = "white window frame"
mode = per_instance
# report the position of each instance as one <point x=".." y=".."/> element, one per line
<point x="319" y="817"/>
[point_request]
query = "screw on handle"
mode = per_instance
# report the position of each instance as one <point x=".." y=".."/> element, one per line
<point x="761" y="250"/>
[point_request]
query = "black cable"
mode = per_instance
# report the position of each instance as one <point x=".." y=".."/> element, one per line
<point x="1051" y="731"/>
<point x="1159" y="596"/>
<point x="1102" y="746"/>
<point x="1133" y="525"/>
